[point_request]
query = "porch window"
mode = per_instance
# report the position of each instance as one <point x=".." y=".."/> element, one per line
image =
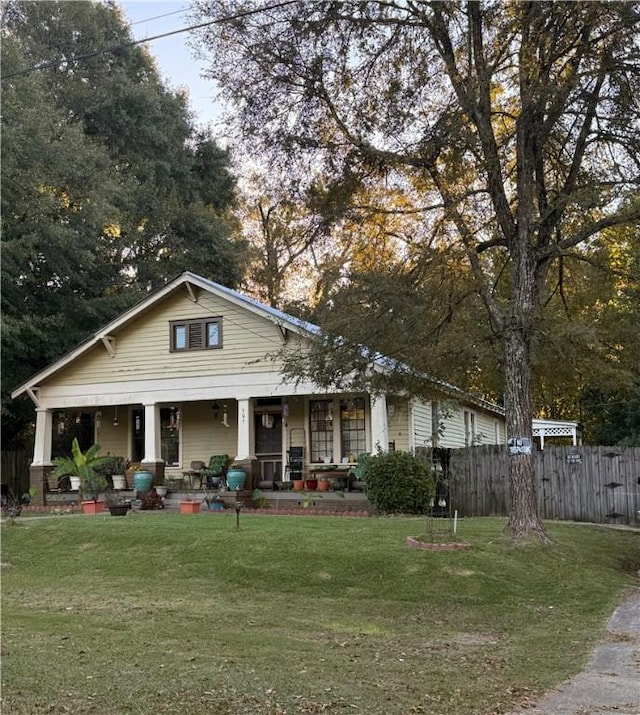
<point x="200" y="334"/>
<point x="170" y="435"/>
<point x="321" y="429"/>
<point x="352" y="427"/>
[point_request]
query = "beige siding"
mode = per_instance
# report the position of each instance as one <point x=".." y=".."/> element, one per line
<point x="112" y="438"/>
<point x="422" y="428"/>
<point x="486" y="425"/>
<point x="142" y="346"/>
<point x="453" y="432"/>
<point x="486" y="429"/>
<point x="202" y="434"/>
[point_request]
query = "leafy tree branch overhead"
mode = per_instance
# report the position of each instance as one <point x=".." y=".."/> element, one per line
<point x="515" y="123"/>
<point x="108" y="190"/>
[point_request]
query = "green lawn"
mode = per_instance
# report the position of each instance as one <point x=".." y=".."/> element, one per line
<point x="161" y="612"/>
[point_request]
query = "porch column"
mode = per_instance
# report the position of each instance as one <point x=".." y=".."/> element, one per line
<point x="41" y="465"/>
<point x="245" y="431"/>
<point x="42" y="445"/>
<point x="379" y="424"/>
<point x="152" y="452"/>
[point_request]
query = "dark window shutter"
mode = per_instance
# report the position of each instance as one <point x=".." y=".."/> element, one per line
<point x="196" y="336"/>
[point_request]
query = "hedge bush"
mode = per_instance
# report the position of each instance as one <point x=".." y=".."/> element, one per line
<point x="399" y="483"/>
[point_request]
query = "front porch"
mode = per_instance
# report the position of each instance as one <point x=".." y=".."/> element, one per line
<point x="274" y="439"/>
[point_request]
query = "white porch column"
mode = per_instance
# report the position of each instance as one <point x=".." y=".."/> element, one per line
<point x="42" y="446"/>
<point x="379" y="425"/>
<point x="152" y="451"/>
<point x="245" y="430"/>
<point x="542" y="439"/>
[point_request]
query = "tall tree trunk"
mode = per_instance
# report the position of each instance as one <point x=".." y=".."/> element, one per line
<point x="524" y="521"/>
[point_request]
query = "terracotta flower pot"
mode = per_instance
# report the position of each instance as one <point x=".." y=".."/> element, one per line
<point x="298" y="485"/>
<point x="189" y="507"/>
<point x="92" y="507"/>
<point x="323" y="485"/>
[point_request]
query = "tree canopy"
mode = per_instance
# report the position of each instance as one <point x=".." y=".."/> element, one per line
<point x="510" y="129"/>
<point x="108" y="189"/>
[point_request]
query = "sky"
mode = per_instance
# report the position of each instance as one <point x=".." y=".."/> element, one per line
<point x="175" y="59"/>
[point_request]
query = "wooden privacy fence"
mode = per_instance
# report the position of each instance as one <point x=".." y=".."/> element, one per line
<point x="595" y="484"/>
<point x="14" y="470"/>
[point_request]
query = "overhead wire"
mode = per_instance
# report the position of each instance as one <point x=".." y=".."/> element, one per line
<point x="158" y="17"/>
<point x="132" y="43"/>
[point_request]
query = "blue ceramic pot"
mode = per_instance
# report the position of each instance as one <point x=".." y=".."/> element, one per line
<point x="142" y="481"/>
<point x="236" y="479"/>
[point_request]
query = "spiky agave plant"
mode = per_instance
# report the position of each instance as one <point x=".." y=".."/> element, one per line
<point x="84" y="467"/>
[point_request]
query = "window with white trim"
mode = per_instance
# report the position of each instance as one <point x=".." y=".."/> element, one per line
<point x="353" y="435"/>
<point x="337" y="429"/>
<point x="197" y="334"/>
<point x="321" y="429"/>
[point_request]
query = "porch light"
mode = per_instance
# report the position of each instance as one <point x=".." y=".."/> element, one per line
<point x="98" y="419"/>
<point x="225" y="416"/>
<point x="115" y="416"/>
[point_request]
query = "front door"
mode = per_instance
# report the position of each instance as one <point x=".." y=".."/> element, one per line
<point x="268" y="432"/>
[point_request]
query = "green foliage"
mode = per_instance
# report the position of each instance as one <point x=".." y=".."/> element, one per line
<point x="394" y="107"/>
<point x="85" y="466"/>
<point x="398" y="483"/>
<point x="108" y="188"/>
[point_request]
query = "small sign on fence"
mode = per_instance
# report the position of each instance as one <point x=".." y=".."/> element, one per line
<point x="574" y="458"/>
<point x="519" y="445"/>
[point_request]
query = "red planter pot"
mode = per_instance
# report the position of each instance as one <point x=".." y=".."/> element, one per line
<point x="189" y="507"/>
<point x="92" y="507"/>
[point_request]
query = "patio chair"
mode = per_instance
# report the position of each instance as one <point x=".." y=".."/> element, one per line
<point x="216" y="472"/>
<point x="195" y="471"/>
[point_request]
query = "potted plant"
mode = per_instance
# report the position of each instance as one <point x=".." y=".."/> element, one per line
<point x="85" y="467"/>
<point x="120" y="465"/>
<point x="236" y="477"/>
<point x="116" y="505"/>
<point x="214" y="499"/>
<point x="323" y="484"/>
<point x="192" y="504"/>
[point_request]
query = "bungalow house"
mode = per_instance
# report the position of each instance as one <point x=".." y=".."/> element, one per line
<point x="192" y="371"/>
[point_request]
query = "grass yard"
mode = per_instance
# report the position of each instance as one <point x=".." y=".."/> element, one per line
<point x="159" y="612"/>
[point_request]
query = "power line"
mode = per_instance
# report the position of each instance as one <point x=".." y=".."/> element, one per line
<point x="158" y="17"/>
<point x="124" y="45"/>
